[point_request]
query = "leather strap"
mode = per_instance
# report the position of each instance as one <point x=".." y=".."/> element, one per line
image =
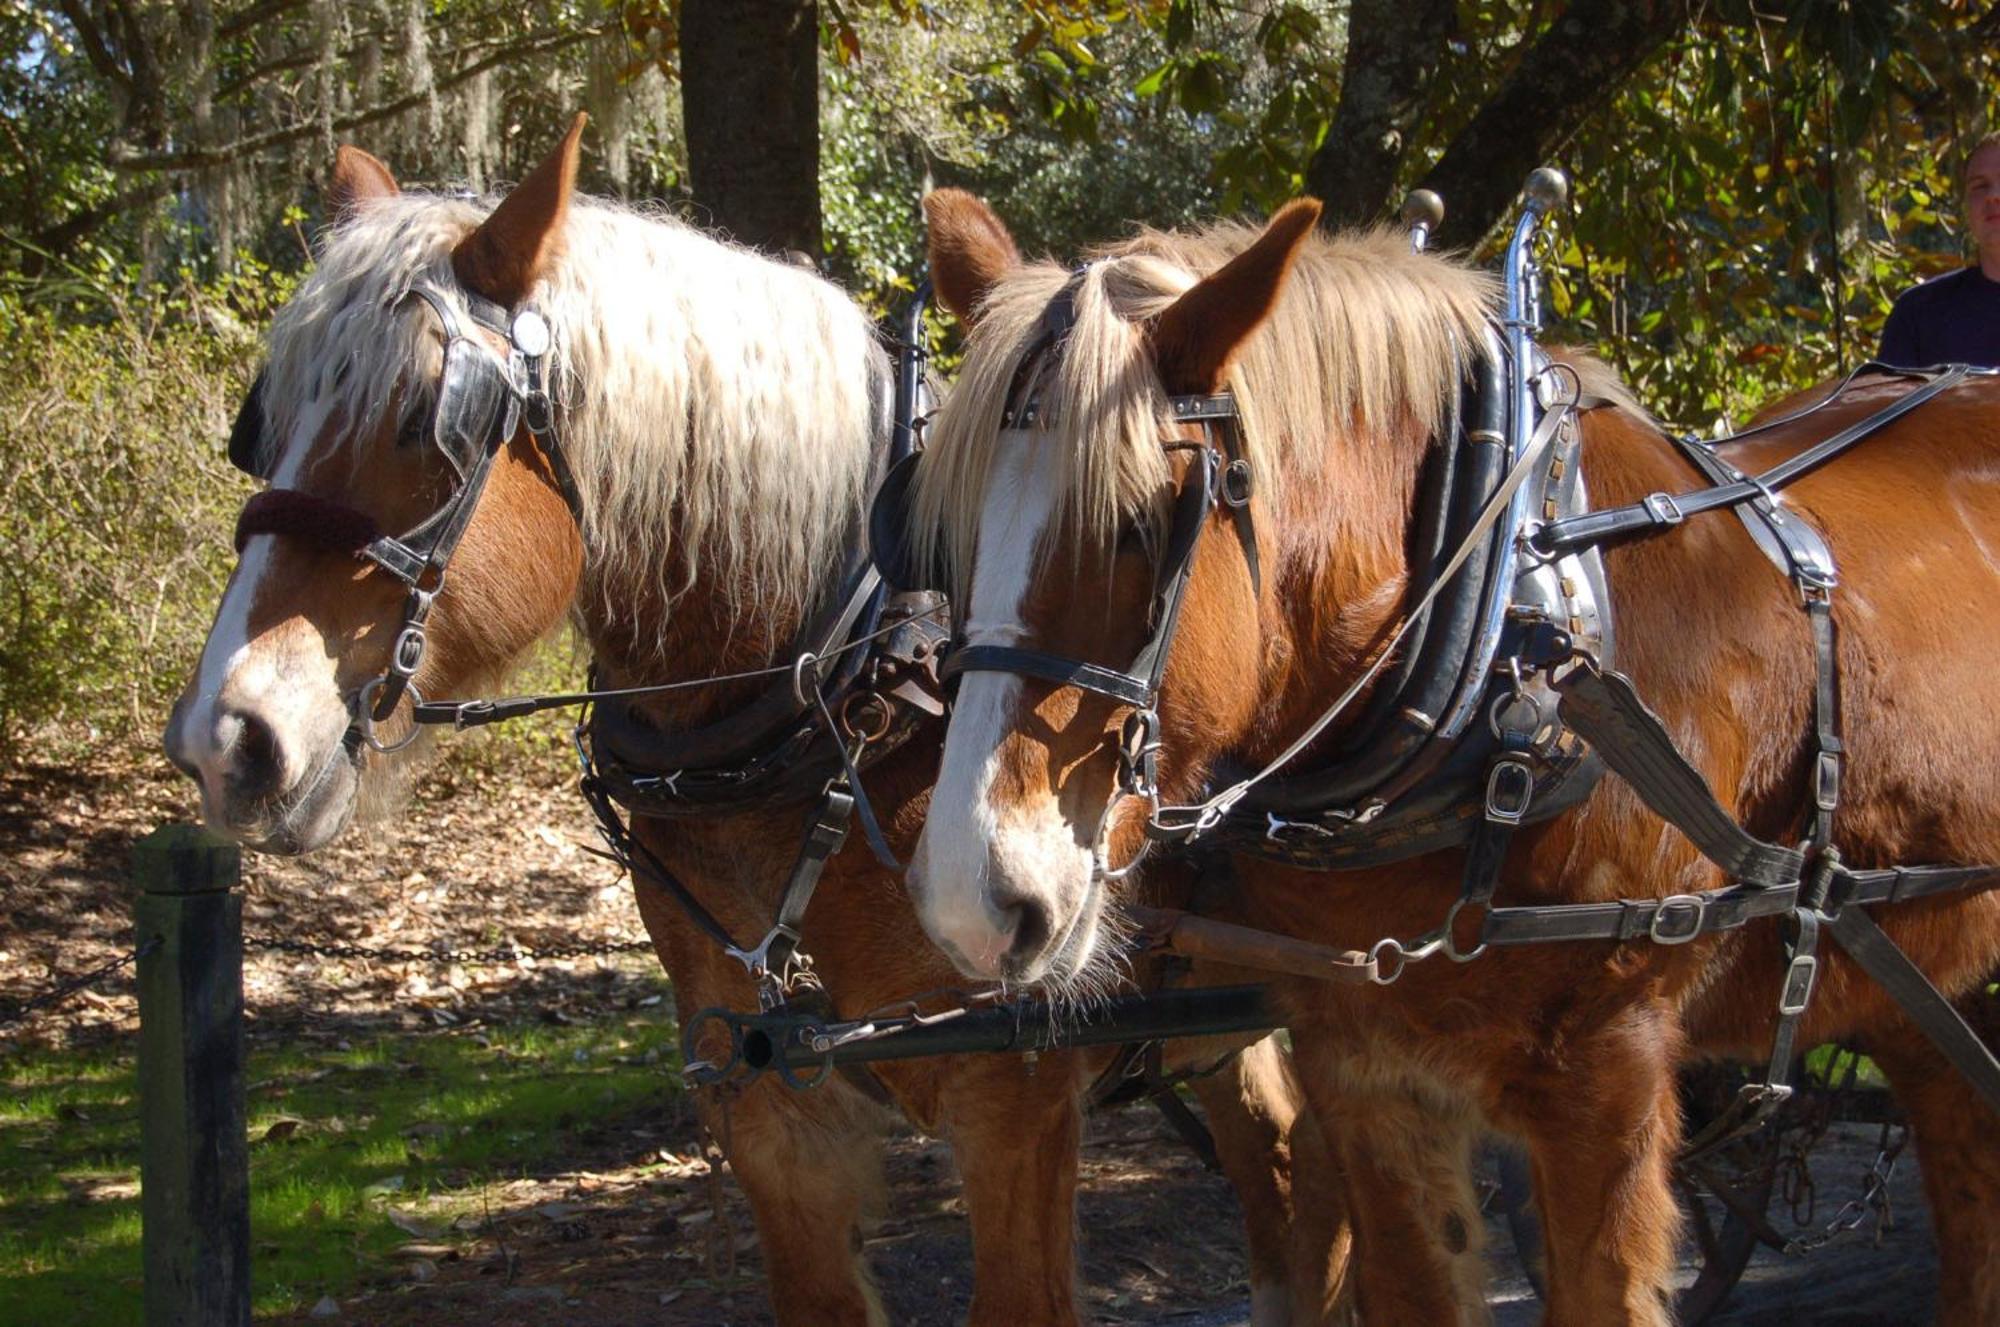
<point x="1675" y="919"/>
<point x="1606" y="712"/>
<point x="1856" y="932"/>
<point x="1119" y="686"/>
<point x="1661" y="511"/>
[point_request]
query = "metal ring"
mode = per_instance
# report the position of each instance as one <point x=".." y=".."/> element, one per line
<point x="1505" y="703"/>
<point x="1391" y="945"/>
<point x="1451" y="950"/>
<point x="887" y="716"/>
<point x="807" y="662"/>
<point x="364" y="714"/>
<point x="700" y="1070"/>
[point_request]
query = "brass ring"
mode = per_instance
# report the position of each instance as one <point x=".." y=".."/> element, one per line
<point x="885" y="717"/>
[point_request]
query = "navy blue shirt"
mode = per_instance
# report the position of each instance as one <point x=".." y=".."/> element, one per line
<point x="1952" y="319"/>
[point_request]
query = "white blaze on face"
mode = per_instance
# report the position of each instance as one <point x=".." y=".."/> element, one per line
<point x="270" y="699"/>
<point x="977" y="859"/>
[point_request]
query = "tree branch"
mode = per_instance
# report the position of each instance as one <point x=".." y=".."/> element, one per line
<point x="239" y="23"/>
<point x="59" y="238"/>
<point x="95" y="49"/>
<point x="196" y="158"/>
<point x="1570" y="72"/>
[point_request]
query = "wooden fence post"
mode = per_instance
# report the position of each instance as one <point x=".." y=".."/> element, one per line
<point x="195" y="1159"/>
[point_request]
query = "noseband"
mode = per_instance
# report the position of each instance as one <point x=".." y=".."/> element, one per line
<point x="482" y="401"/>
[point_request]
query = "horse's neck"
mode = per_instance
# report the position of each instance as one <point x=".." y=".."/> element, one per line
<point x="1343" y="573"/>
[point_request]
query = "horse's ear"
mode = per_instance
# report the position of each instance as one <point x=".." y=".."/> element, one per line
<point x="510" y="251"/>
<point x="970" y="250"/>
<point x="1195" y="338"/>
<point x="358" y="179"/>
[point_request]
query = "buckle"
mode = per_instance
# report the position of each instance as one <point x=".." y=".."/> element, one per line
<point x="1826" y="781"/>
<point x="408" y="653"/>
<point x="1798" y="985"/>
<point x="1236" y="484"/>
<point x="1138" y="754"/>
<point x="1507" y="803"/>
<point x="1663" y="509"/>
<point x="1691" y="906"/>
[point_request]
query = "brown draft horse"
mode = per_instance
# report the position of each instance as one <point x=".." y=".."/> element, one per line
<point x="1337" y="350"/>
<point x="719" y="411"/>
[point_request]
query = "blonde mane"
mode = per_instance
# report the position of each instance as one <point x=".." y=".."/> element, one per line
<point x="1358" y="344"/>
<point x="721" y="410"/>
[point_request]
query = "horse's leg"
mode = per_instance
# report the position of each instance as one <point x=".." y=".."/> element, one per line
<point x="1271" y="1151"/>
<point x="1403" y="1153"/>
<point x="810" y="1166"/>
<point x="1955" y="1134"/>
<point x="1015" y="1131"/>
<point x="808" y="1162"/>
<point x="1601" y="1128"/>
<point x="1322" y="1258"/>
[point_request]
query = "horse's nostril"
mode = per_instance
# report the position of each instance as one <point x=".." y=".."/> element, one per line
<point x="255" y="758"/>
<point x="1032" y="927"/>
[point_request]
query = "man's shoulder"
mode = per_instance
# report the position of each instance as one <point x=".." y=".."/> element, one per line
<point x="1964" y="283"/>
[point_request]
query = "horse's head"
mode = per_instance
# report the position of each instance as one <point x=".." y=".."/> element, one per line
<point x="389" y="422"/>
<point x="1061" y="497"/>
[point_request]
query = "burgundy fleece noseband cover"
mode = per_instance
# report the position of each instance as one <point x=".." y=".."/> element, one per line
<point x="331" y="525"/>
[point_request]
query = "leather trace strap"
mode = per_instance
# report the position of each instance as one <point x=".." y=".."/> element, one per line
<point x="1605" y="711"/>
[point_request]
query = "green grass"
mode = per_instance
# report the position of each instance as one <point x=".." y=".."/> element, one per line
<point x="392" y="1121"/>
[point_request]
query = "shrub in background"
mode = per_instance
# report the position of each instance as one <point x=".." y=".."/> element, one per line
<point x="116" y="503"/>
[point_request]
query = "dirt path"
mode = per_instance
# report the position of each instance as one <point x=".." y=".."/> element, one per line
<point x="612" y="1235"/>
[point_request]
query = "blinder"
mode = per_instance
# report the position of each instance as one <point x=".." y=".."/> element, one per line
<point x="477" y="406"/>
<point x="246" y="435"/>
<point x="889" y="532"/>
<point x="476" y="403"/>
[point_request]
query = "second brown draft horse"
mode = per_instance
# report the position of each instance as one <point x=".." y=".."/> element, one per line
<point x="1050" y="500"/>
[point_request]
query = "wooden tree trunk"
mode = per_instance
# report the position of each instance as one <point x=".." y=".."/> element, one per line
<point x="1571" y="72"/>
<point x="1394" y="48"/>
<point x="750" y="96"/>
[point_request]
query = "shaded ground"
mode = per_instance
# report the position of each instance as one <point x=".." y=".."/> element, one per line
<point x="634" y="1224"/>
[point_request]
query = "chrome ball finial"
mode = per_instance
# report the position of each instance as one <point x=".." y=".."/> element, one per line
<point x="1423" y="212"/>
<point x="1547" y="189"/>
<point x="1423" y="208"/>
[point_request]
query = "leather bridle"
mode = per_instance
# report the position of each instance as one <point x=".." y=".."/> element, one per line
<point x="482" y="401"/>
<point x="1218" y="478"/>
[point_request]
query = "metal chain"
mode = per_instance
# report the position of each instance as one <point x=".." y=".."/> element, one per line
<point x="63" y="990"/>
<point x="498" y="954"/>
<point x="1873" y="1200"/>
<point x="1815" y="1111"/>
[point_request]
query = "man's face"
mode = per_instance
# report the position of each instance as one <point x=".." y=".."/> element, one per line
<point x="1982" y="200"/>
